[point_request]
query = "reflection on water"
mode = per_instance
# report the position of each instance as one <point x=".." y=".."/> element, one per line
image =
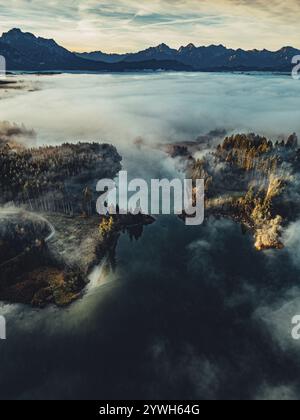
<point x="104" y="272"/>
<point x="98" y="275"/>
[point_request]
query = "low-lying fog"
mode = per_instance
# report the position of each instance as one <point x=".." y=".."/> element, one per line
<point x="157" y="107"/>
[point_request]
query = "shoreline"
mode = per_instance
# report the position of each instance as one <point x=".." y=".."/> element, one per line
<point x="58" y="270"/>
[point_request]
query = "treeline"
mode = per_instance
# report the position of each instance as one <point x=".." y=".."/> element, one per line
<point x="27" y="175"/>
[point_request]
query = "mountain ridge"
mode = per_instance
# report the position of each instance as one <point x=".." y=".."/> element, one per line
<point x="27" y="52"/>
<point x="24" y="51"/>
<point x="207" y="57"/>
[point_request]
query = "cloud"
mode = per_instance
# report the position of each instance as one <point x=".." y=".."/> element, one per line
<point x="128" y="25"/>
<point x="14" y="134"/>
<point x="200" y="373"/>
<point x="292" y="242"/>
<point x="278" y="393"/>
<point x="120" y="108"/>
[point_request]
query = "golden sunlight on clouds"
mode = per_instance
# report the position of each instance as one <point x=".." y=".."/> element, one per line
<point x="129" y="25"/>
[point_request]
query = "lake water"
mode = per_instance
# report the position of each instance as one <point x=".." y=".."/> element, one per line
<point x="189" y="312"/>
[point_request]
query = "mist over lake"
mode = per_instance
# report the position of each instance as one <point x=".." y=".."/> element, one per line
<point x="193" y="313"/>
<point x="159" y="107"/>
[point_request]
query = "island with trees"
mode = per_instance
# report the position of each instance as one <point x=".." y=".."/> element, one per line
<point x="249" y="179"/>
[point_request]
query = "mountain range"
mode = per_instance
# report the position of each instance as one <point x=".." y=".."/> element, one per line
<point x="25" y="51"/>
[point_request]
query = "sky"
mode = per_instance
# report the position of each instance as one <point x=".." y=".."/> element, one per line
<point x="131" y="25"/>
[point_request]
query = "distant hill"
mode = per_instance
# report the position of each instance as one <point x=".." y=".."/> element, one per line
<point x="100" y="56"/>
<point x="25" y="51"/>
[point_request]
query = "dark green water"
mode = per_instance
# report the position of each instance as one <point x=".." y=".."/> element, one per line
<point x="181" y="317"/>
